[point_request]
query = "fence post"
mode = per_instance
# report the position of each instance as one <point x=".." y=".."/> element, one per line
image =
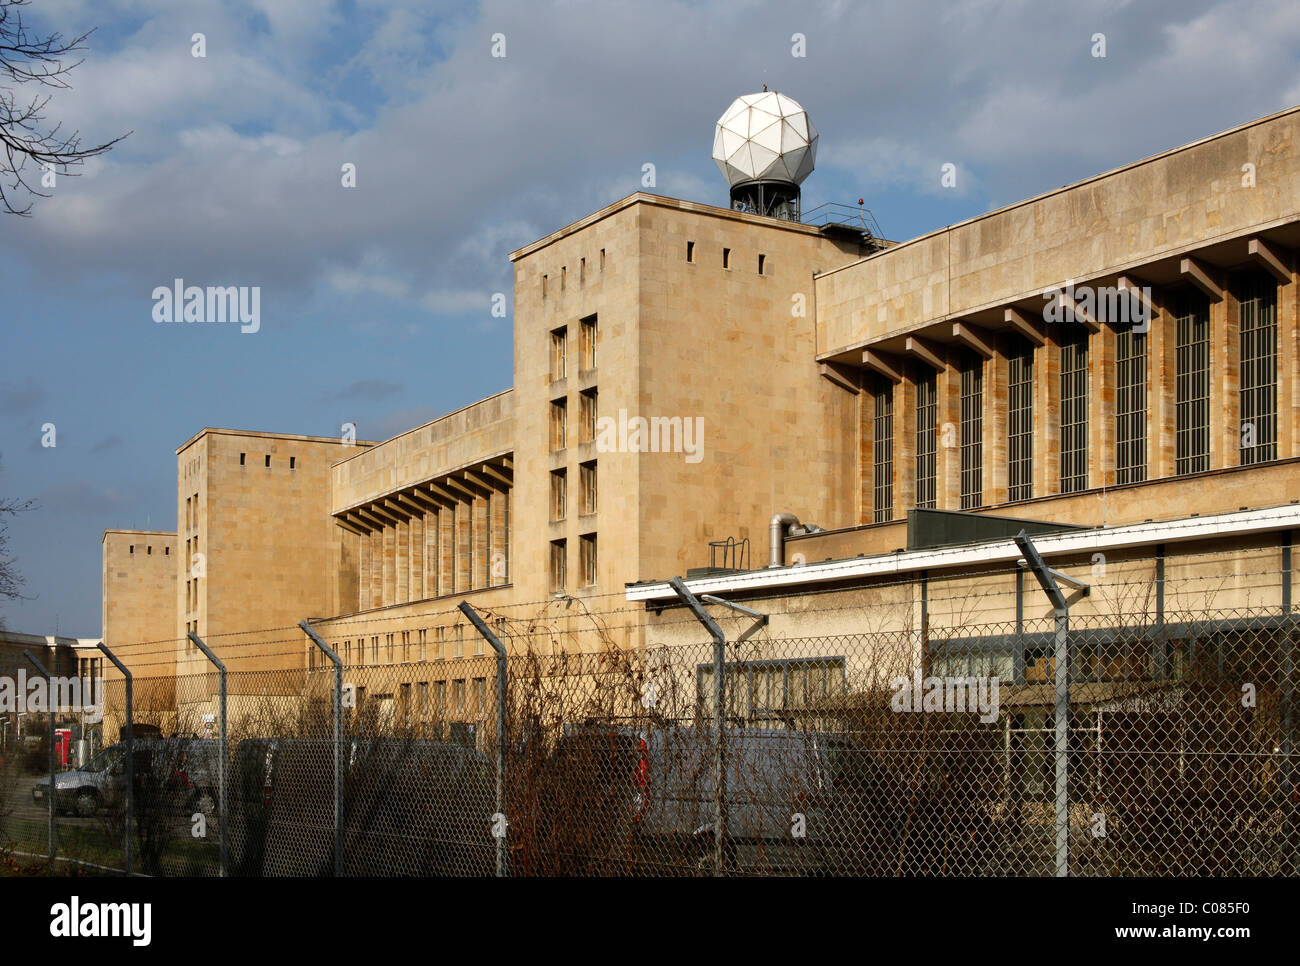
<point x="222" y="795"/>
<point x="338" y="744"/>
<point x="130" y="755"/>
<point x="1047" y="579"/>
<point x="486" y="632"/>
<point x="719" y="732"/>
<point x="49" y="710"/>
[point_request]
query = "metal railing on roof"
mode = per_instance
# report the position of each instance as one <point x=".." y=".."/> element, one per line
<point x="848" y="216"/>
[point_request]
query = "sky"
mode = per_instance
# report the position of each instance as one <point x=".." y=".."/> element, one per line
<point x="375" y="300"/>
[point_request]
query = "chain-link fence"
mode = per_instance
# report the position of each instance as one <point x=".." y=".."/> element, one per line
<point x="930" y="751"/>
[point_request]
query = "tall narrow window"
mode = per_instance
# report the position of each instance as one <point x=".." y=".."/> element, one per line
<point x="1192" y="384"/>
<point x="587" y="401"/>
<point x="559" y="423"/>
<point x="588" y="482"/>
<point x="882" y="457"/>
<point x="1130" y="406"/>
<point x="1074" y="415"/>
<point x="972" y="432"/>
<point x="505" y="537"/>
<point x="726" y="258"/>
<point x="559" y="495"/>
<point x="559" y="359"/>
<point x="587" y="342"/>
<point x="927" y="412"/>
<point x="1258" y="372"/>
<point x="588" y="548"/>
<point x="558" y="561"/>
<point x="690" y="251"/>
<point x="1020" y="424"/>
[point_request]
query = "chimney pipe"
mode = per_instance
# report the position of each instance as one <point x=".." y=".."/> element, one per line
<point x="776" y="537"/>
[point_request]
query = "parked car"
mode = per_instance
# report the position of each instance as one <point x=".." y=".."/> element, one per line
<point x="174" y="772"/>
<point x="410" y="807"/>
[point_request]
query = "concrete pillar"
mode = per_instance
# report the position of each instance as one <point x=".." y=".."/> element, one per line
<point x="464" y="537"/>
<point x="416" y="525"/>
<point x="377" y="568"/>
<point x="1101" y="408"/>
<point x="947" y="490"/>
<point x="388" y="594"/>
<point x="447" y="551"/>
<point x="363" y="572"/>
<point x="401" y="562"/>
<point x="905" y="441"/>
<point x="1225" y="365"/>
<point x="996" y="424"/>
<point x="481" y="538"/>
<point x="1288" y="369"/>
<point x="866" y="450"/>
<point x="1047" y="414"/>
<point x="1162" y="394"/>
<point x="497" y="523"/>
<point x="430" y="532"/>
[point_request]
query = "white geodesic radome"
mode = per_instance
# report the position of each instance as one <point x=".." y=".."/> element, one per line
<point x="765" y="137"/>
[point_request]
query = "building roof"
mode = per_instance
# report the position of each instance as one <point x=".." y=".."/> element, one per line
<point x="1129" y="536"/>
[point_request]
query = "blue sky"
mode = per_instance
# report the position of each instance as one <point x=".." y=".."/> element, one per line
<point x="376" y="299"/>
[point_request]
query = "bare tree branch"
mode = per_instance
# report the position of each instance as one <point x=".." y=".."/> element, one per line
<point x="25" y="135"/>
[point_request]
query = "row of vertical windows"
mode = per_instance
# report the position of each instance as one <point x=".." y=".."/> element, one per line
<point x="1074" y="415"/>
<point x="883" y="455"/>
<point x="1192" y="384"/>
<point x="1020" y="424"/>
<point x="447" y="643"/>
<point x="1258" y="369"/>
<point x="1130" y="407"/>
<point x="1257" y="405"/>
